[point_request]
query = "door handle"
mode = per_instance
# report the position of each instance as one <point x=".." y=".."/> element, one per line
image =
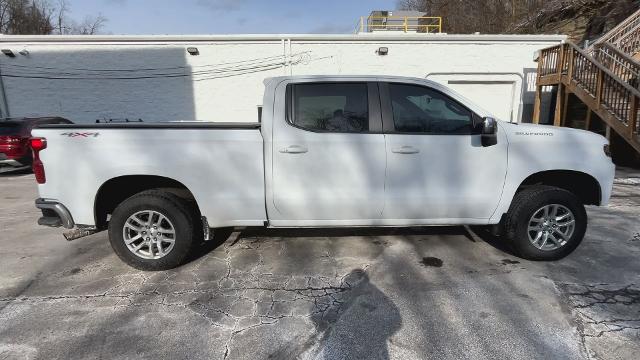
<point x="294" y="149"/>
<point x="405" y="150"/>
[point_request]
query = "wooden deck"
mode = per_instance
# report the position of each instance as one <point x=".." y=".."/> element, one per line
<point x="606" y="81"/>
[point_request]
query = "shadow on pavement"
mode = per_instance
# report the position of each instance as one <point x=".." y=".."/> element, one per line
<point x="231" y="235"/>
<point x="361" y="327"/>
<point x="484" y="234"/>
<point x="353" y="231"/>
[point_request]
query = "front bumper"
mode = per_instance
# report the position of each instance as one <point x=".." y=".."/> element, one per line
<point x="54" y="214"/>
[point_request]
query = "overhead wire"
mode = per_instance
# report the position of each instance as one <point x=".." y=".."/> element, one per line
<point x="142" y="76"/>
<point x="235" y="68"/>
<point x="262" y="59"/>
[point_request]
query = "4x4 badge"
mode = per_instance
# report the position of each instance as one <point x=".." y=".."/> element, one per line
<point x="81" y="134"/>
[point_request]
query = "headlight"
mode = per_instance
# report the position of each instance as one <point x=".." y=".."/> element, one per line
<point x="607" y="150"/>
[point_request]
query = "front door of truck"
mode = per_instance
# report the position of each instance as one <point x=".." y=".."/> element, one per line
<point x="328" y="156"/>
<point x="437" y="169"/>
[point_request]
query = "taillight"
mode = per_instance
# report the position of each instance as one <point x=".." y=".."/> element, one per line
<point x="38" y="144"/>
<point x="14" y="147"/>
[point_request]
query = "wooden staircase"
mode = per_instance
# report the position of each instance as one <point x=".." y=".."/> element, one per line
<point x="625" y="36"/>
<point x="605" y="77"/>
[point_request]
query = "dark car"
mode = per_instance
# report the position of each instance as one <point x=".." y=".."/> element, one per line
<point x="14" y="140"/>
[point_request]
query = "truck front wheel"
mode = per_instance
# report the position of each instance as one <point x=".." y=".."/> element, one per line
<point x="545" y="223"/>
<point x="152" y="230"/>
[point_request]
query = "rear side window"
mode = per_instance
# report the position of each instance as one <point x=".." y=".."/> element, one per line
<point x="423" y="110"/>
<point x="329" y="107"/>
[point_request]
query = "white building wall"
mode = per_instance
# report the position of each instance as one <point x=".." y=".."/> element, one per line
<point x="73" y="77"/>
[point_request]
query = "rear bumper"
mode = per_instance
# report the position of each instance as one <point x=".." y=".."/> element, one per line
<point x="7" y="164"/>
<point x="14" y="162"/>
<point x="54" y="214"/>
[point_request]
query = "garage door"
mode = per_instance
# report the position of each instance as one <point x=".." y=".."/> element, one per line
<point x="494" y="96"/>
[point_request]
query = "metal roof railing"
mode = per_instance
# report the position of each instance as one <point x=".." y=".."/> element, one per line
<point x="419" y="24"/>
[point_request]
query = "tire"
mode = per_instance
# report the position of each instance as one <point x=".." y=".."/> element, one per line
<point x="532" y="201"/>
<point x="178" y="215"/>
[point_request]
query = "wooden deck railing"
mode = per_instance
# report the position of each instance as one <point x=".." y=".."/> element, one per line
<point x="612" y="94"/>
<point x="606" y="77"/>
<point x="625" y="36"/>
<point x="619" y="63"/>
<point x="630" y="43"/>
<point x="548" y="61"/>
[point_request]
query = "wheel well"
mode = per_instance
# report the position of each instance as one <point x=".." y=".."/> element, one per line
<point x="584" y="186"/>
<point x="116" y="190"/>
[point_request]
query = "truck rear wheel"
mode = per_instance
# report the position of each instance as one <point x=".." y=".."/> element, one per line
<point x="545" y="223"/>
<point x="152" y="230"/>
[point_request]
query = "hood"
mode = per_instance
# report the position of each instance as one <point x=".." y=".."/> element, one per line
<point x="548" y="133"/>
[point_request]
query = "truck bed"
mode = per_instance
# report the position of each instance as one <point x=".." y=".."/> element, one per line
<point x="220" y="163"/>
<point x="157" y="125"/>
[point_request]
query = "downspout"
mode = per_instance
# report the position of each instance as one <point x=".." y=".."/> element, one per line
<point x="290" y="56"/>
<point x="284" y="56"/>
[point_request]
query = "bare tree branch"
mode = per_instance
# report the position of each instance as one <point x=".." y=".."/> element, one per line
<point x="41" y="17"/>
<point x="61" y="17"/>
<point x="90" y="25"/>
<point x="468" y="16"/>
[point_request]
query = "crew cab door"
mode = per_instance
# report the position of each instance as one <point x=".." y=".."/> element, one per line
<point x="437" y="169"/>
<point x="328" y="155"/>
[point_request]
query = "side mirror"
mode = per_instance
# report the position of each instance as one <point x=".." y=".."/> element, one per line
<point x="489" y="131"/>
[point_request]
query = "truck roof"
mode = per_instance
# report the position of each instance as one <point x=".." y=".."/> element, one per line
<point x="349" y="77"/>
<point x="270" y="81"/>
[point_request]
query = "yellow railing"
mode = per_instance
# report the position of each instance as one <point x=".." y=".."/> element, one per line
<point x="421" y="24"/>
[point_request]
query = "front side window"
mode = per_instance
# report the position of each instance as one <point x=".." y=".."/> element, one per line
<point x="423" y="110"/>
<point x="331" y="107"/>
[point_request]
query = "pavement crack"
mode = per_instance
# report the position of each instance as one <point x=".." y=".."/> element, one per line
<point x="307" y="292"/>
<point x="625" y="296"/>
<point x="602" y="309"/>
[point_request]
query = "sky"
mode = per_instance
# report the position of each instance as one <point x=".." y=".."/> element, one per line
<point x="228" y="16"/>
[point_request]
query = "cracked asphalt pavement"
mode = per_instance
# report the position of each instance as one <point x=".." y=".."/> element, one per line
<point x="429" y="292"/>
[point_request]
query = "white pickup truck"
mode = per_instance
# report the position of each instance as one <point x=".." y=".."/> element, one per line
<point x="328" y="151"/>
